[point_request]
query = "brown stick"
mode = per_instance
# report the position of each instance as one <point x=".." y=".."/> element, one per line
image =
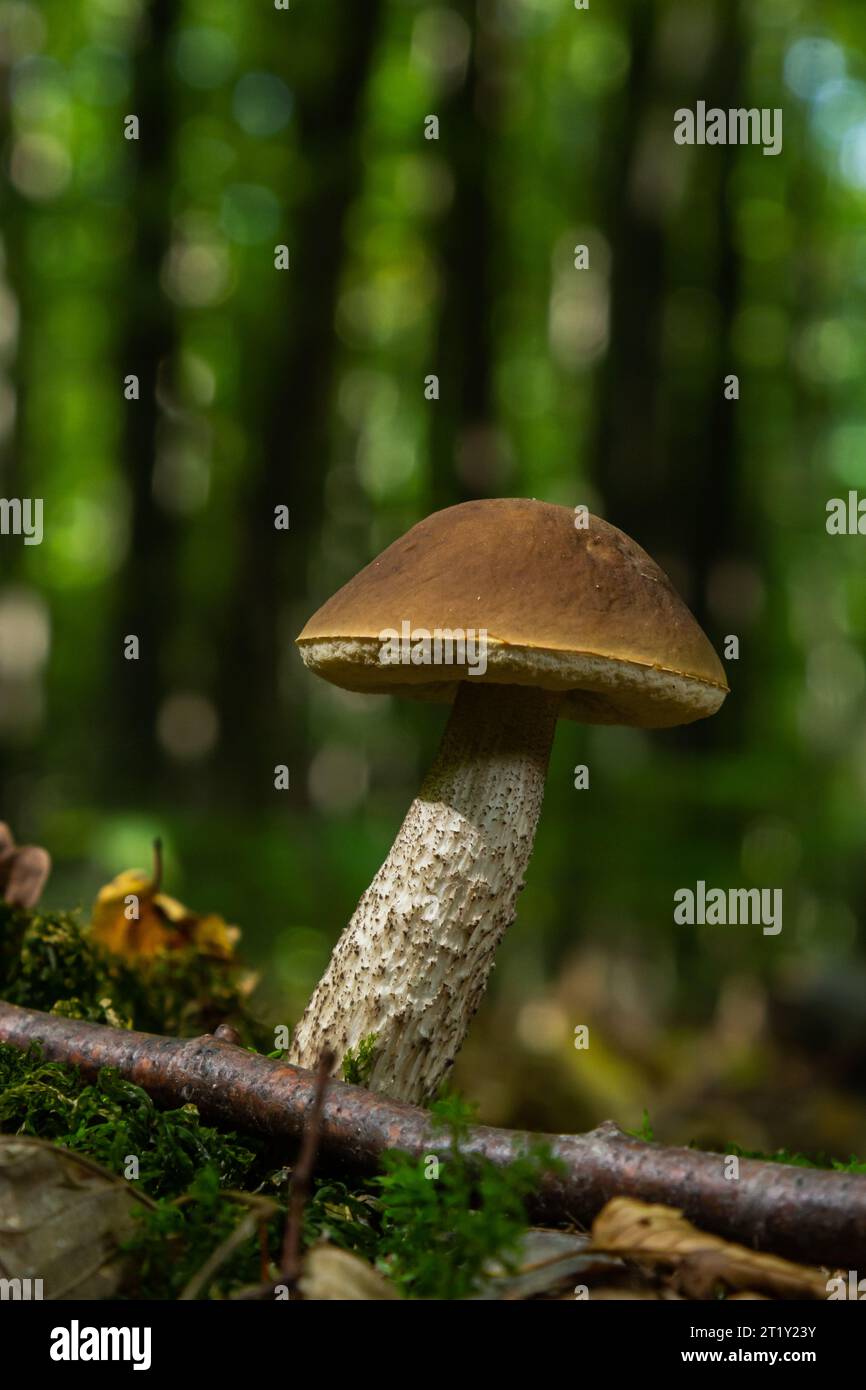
<point x="803" y="1213"/>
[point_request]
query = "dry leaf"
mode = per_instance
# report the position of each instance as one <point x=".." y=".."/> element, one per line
<point x="24" y="870"/>
<point x="330" y="1273"/>
<point x="547" y="1261"/>
<point x="661" y="1236"/>
<point x="133" y="918"/>
<point x="61" y="1219"/>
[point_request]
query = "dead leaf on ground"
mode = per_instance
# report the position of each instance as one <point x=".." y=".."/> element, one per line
<point x="61" y="1219"/>
<point x="698" y="1262"/>
<point x="330" y="1273"/>
<point x="546" y="1261"/>
<point x="132" y="917"/>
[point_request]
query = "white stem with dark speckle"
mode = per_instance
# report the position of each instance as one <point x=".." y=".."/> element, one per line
<point x="412" y="964"/>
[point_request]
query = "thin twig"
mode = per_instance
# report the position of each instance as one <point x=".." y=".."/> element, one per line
<point x="156" y="881"/>
<point x="260" y="1208"/>
<point x="302" y="1174"/>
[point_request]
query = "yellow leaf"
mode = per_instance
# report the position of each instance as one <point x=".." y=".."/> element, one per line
<point x="213" y="937"/>
<point x="132" y="918"/>
<point x="126" y="920"/>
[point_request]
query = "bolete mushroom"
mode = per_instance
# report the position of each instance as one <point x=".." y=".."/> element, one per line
<point x="578" y="623"/>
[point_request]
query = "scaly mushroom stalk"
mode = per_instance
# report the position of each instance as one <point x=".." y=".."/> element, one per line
<point x="412" y="964"/>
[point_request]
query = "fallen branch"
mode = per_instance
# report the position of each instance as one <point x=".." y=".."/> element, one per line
<point x="803" y="1213"/>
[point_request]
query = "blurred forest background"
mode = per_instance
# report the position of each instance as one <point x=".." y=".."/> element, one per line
<point x="306" y="387"/>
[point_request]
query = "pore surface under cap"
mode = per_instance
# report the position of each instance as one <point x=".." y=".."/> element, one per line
<point x="583" y="611"/>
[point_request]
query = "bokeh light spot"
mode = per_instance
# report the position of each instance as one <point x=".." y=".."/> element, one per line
<point x="262" y="104"/>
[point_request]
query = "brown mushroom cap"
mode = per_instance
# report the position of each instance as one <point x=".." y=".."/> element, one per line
<point x="583" y="611"/>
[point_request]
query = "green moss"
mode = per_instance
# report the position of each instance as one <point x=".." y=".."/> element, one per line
<point x="446" y="1218"/>
<point x="176" y="1240"/>
<point x="49" y="962"/>
<point x="798" y="1160"/>
<point x="111" y="1120"/>
<point x="646" y="1130"/>
<point x="358" y="1062"/>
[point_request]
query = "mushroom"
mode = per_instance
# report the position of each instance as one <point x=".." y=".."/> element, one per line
<point x="580" y="624"/>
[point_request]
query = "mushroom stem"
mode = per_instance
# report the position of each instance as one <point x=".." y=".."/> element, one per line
<point x="412" y="964"/>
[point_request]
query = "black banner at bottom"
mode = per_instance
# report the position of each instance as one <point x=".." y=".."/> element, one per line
<point x="221" y="1339"/>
